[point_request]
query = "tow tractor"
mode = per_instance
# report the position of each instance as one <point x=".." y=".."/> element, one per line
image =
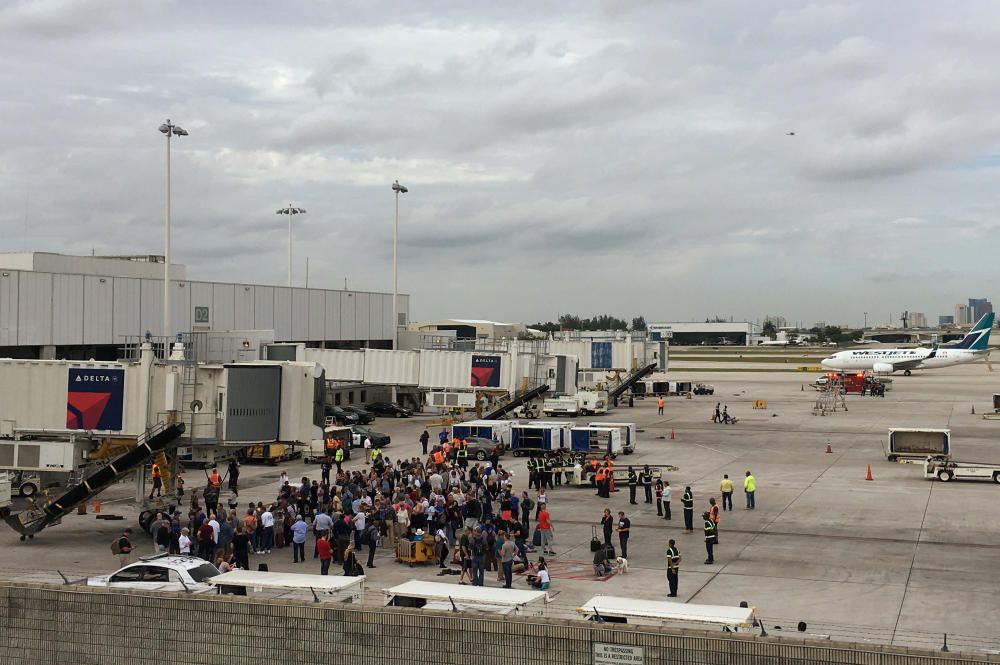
<point x="945" y="469"/>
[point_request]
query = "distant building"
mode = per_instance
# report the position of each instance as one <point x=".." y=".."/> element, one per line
<point x="473" y="328"/>
<point x="918" y="320"/>
<point x="741" y="333"/>
<point x="778" y="321"/>
<point x="946" y="321"/>
<point x="961" y="315"/>
<point x="978" y="308"/>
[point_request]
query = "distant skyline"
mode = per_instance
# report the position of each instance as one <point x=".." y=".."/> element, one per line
<point x="675" y="160"/>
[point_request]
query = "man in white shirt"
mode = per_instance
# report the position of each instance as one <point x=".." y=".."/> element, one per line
<point x="359" y="522"/>
<point x="267" y="524"/>
<point x="667" y="492"/>
<point x="184" y="542"/>
<point x="368" y="450"/>
<point x="215" y="528"/>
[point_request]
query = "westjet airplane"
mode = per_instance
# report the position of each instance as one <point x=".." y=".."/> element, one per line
<point x="975" y="346"/>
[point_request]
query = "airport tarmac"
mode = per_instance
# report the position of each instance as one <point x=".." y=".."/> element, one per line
<point x="898" y="559"/>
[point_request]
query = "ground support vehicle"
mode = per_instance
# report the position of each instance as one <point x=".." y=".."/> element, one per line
<point x="945" y="470"/>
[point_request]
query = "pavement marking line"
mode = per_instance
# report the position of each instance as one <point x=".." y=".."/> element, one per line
<point x="794" y="534"/>
<point x="913" y="559"/>
<point x="763" y="529"/>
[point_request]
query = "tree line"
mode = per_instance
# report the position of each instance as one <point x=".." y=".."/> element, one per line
<point x="597" y="322"/>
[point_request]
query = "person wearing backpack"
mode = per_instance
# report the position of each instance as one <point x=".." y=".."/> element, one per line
<point x="122" y="546"/>
<point x="526" y="505"/>
<point x="478" y="546"/>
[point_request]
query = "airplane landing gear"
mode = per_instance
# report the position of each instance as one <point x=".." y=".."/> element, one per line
<point x="906" y="372"/>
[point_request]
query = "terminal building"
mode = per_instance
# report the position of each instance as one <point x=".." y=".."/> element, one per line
<point x="54" y="306"/>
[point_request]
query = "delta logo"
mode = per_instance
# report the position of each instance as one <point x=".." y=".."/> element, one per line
<point x="95" y="399"/>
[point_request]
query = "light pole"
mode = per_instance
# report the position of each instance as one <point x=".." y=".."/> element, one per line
<point x="398" y="189"/>
<point x="290" y="211"/>
<point x="169" y="130"/>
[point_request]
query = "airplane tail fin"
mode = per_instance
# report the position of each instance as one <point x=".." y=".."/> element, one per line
<point x="978" y="338"/>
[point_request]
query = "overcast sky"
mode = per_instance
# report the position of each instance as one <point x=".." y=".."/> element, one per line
<point x="595" y="156"/>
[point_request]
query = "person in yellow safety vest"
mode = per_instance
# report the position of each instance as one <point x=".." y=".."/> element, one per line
<point x="750" y="487"/>
<point x="726" y="487"/>
<point x="376" y="453"/>
<point x="659" y="406"/>
<point x="338" y="457"/>
<point x="157" y="481"/>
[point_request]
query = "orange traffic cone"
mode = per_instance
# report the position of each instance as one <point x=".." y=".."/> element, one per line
<point x="672" y="433"/>
<point x="869" y="476"/>
<point x="829" y="448"/>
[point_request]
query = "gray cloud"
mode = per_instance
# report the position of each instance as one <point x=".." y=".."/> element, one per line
<point x="580" y="146"/>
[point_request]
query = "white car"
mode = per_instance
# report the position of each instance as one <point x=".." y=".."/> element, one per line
<point x="162" y="572"/>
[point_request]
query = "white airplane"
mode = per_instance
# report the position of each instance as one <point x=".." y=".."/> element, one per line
<point x="975" y="346"/>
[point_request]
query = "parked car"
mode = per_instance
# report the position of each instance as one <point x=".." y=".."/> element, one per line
<point x="342" y="416"/>
<point x="161" y="572"/>
<point x="389" y="409"/>
<point x="703" y="389"/>
<point x="365" y="416"/>
<point x="481" y="449"/>
<point x="379" y="440"/>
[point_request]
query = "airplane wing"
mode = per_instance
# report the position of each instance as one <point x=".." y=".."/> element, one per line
<point x="915" y="363"/>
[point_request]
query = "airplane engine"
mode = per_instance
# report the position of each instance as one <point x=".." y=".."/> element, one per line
<point x="882" y="368"/>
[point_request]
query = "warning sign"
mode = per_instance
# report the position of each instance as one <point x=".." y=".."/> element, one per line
<point x="617" y="654"/>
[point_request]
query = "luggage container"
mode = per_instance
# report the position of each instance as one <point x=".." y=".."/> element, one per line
<point x="917" y="444"/>
<point x="539" y="437"/>
<point x="596" y="441"/>
<point x="485" y="429"/>
<point x="628" y="431"/>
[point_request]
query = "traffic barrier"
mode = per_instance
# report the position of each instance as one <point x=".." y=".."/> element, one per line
<point x="869" y="476"/>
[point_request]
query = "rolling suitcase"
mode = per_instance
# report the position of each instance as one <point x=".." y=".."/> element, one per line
<point x="595" y="542"/>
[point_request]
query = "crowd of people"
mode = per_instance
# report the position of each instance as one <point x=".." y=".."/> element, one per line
<point x="470" y="516"/>
<point x="471" y="513"/>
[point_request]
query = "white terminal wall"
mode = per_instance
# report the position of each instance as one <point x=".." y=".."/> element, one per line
<point x="42" y="308"/>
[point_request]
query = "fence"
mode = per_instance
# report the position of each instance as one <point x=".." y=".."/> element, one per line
<point x="45" y="623"/>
